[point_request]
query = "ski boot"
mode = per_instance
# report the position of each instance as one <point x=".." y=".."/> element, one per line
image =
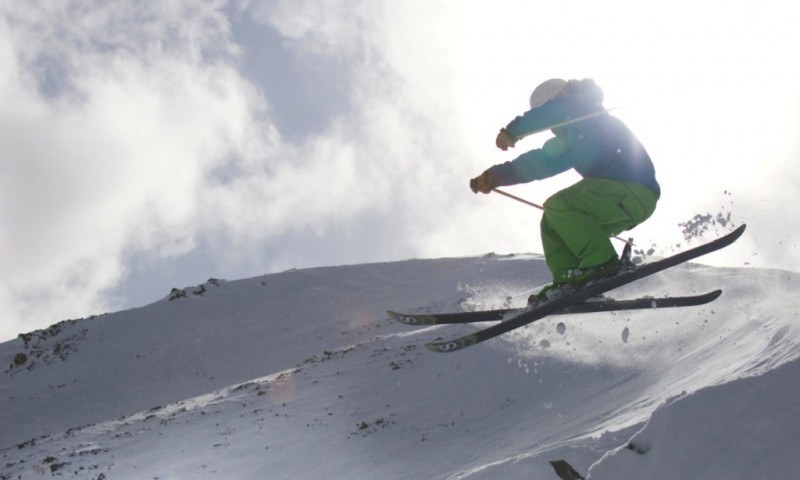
<point x="549" y="293"/>
<point x="575" y="279"/>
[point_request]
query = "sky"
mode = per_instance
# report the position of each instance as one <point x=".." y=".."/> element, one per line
<point x="151" y="145"/>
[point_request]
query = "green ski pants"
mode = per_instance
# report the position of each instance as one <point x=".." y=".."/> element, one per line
<point x="579" y="221"/>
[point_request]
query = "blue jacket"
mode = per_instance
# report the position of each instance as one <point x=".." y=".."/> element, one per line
<point x="598" y="147"/>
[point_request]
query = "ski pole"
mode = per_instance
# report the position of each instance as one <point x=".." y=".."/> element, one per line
<point x="535" y="205"/>
<point x="521" y="200"/>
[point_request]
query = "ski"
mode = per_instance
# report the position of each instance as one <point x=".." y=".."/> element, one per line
<point x="588" y="307"/>
<point x="583" y="294"/>
<point x="565" y="471"/>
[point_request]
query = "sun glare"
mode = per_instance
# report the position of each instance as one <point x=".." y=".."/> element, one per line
<point x="713" y="95"/>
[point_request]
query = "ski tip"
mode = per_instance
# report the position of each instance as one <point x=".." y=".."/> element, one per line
<point x="452" y="345"/>
<point x="411" y="319"/>
<point x="730" y="237"/>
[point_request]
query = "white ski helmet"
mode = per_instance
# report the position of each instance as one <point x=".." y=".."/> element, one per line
<point x="546" y="91"/>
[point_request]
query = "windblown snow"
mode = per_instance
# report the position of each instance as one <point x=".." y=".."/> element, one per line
<point x="301" y="375"/>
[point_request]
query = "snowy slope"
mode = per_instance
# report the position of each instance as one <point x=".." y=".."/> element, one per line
<point x="301" y="375"/>
<point x="760" y="414"/>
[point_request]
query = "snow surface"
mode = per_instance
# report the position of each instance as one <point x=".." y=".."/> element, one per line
<point x="301" y="375"/>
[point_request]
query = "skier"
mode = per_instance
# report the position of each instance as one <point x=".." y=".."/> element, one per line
<point x="618" y="190"/>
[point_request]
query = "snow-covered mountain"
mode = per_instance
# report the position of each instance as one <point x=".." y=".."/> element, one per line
<point x="301" y="375"/>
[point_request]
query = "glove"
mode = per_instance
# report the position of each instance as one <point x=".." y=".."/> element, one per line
<point x="504" y="140"/>
<point x="483" y="183"/>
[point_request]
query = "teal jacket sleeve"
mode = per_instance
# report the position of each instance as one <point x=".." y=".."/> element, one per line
<point x="537" y="164"/>
<point x="552" y="113"/>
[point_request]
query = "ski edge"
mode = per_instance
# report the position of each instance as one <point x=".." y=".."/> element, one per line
<point x="451" y="318"/>
<point x="642" y="303"/>
<point x="413" y="319"/>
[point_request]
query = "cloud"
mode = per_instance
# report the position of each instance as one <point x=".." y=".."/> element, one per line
<point x="388" y="141"/>
<point x="114" y="115"/>
<point x="131" y="133"/>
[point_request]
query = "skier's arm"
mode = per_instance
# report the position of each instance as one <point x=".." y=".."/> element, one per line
<point x="534" y="165"/>
<point x="540" y="118"/>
